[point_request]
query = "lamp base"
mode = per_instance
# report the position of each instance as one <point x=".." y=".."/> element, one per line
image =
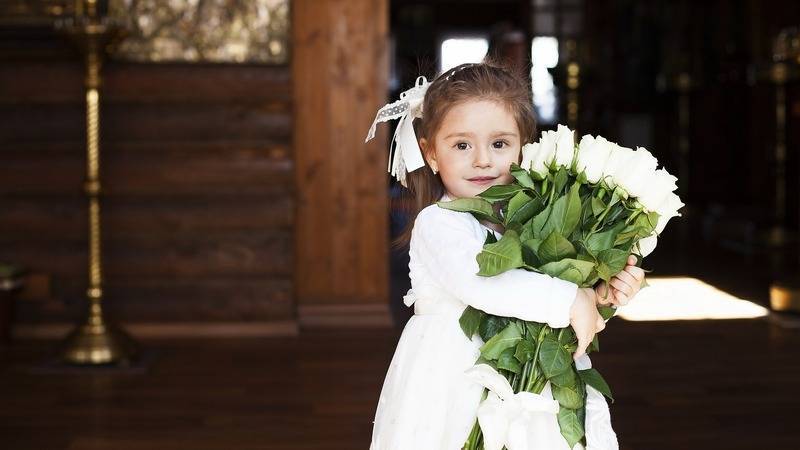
<point x="784" y="297"/>
<point x="94" y="343"/>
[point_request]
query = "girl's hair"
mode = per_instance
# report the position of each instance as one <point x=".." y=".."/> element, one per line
<point x="482" y="81"/>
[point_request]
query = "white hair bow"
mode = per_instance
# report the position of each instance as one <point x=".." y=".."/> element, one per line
<point x="521" y="421"/>
<point x="405" y="155"/>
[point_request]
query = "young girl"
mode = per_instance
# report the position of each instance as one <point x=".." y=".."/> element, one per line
<point x="474" y="120"/>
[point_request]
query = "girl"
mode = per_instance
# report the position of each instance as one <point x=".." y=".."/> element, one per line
<point x="474" y="120"/>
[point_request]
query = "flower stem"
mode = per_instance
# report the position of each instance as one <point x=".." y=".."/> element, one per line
<point x="474" y="437"/>
<point x="600" y="219"/>
<point x="530" y="383"/>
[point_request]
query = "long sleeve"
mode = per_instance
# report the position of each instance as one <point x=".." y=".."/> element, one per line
<point x="446" y="244"/>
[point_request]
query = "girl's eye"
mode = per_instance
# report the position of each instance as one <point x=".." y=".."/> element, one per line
<point x="462" y="146"/>
<point x="502" y="144"/>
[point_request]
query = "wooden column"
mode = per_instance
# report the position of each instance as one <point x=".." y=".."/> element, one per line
<point x="339" y="76"/>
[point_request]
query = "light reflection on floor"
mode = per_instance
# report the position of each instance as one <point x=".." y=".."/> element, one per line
<point x="687" y="299"/>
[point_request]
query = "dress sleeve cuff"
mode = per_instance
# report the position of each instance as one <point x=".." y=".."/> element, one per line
<point x="562" y="295"/>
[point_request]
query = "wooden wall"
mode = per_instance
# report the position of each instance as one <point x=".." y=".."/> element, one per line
<point x="197" y="166"/>
<point x="340" y="70"/>
<point x="234" y="195"/>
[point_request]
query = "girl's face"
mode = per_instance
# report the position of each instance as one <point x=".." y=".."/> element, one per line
<point x="474" y="147"/>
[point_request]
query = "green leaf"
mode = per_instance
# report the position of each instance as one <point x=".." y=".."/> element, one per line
<point x="573" y="270"/>
<point x="560" y="180"/>
<point x="500" y="192"/>
<point x="470" y="321"/>
<point x="478" y="207"/>
<point x="615" y="213"/>
<point x="524" y="351"/>
<point x="604" y="240"/>
<point x="554" y="248"/>
<point x="566" y="213"/>
<point x="553" y="358"/>
<point x="569" y="396"/>
<point x="507" y="338"/>
<point x="503" y="255"/>
<point x="597" y="206"/>
<point x="539" y="221"/>
<point x="593" y="378"/>
<point x="566" y="379"/>
<point x="610" y="262"/>
<point x="491" y="325"/>
<point x="533" y="329"/>
<point x="490" y="362"/>
<point x="571" y="426"/>
<point x="630" y="235"/>
<point x="607" y="312"/>
<point x="508" y="361"/>
<point x="615" y="197"/>
<point x="587" y="218"/>
<point x="522" y="176"/>
<point x="567" y="336"/>
<point x="522" y="207"/>
<point x="490" y="238"/>
<point x="582" y="178"/>
<point x="533" y="244"/>
<point x="529" y="249"/>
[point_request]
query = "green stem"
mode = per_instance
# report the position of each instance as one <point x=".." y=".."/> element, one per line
<point x="473" y="438"/>
<point x="600" y="219"/>
<point x="523" y="379"/>
<point x="531" y="381"/>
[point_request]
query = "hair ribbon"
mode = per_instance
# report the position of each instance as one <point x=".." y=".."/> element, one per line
<point x="404" y="154"/>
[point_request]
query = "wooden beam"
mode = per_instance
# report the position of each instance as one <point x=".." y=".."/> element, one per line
<point x="339" y="76"/>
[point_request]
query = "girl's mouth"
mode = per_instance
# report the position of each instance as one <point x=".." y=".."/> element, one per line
<point x="481" y="180"/>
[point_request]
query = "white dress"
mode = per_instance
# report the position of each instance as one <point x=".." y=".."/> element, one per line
<point x="427" y="403"/>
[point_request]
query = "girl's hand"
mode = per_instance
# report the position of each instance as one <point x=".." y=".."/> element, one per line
<point x="624" y="285"/>
<point x="585" y="319"/>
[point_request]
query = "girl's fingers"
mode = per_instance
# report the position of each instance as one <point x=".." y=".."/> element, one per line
<point x="636" y="272"/>
<point x="583" y="344"/>
<point x="605" y="301"/>
<point x="601" y="324"/>
<point x="632" y="260"/>
<point x="621" y="297"/>
<point x="622" y="286"/>
<point x="628" y="278"/>
<point x="604" y="295"/>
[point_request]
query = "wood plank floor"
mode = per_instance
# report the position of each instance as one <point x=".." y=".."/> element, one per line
<point x="678" y="385"/>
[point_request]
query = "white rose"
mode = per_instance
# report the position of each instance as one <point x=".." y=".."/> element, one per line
<point x="667" y="210"/>
<point x="656" y="191"/>
<point x="565" y="147"/>
<point x="647" y="245"/>
<point x="542" y="155"/>
<point x="528" y="150"/>
<point x="639" y="171"/>
<point x="616" y="164"/>
<point x="592" y="156"/>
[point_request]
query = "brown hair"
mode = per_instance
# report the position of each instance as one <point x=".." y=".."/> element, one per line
<point x="482" y="81"/>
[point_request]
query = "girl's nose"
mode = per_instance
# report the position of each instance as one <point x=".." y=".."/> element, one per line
<point x="483" y="157"/>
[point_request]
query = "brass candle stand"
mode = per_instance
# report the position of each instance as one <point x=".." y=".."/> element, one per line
<point x="573" y="84"/>
<point x="785" y="292"/>
<point x="94" y="341"/>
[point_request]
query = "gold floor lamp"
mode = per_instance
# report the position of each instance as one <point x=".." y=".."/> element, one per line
<point x="94" y="341"/>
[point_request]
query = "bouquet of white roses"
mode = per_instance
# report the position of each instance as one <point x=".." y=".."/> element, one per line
<point x="574" y="212"/>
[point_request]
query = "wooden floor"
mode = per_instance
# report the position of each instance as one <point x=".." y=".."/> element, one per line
<point x="678" y="385"/>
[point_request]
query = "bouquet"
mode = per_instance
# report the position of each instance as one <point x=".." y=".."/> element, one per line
<point x="574" y="212"/>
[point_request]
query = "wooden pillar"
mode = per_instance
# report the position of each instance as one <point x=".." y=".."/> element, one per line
<point x="339" y="76"/>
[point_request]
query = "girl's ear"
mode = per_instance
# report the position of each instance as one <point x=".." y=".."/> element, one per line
<point x="428" y="154"/>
